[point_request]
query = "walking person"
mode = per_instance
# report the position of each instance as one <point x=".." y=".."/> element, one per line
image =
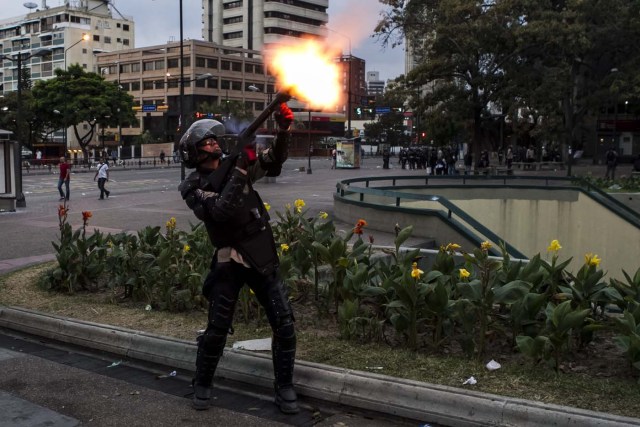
<point x="102" y="174"/>
<point x="611" y="157"/>
<point x="64" y="178"/>
<point x="220" y="192"/>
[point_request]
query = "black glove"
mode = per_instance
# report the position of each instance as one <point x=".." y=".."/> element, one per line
<point x="187" y="186"/>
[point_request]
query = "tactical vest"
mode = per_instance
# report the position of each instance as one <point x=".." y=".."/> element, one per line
<point x="248" y="230"/>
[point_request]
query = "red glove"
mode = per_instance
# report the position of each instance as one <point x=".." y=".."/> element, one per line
<point x="247" y="157"/>
<point x="284" y="116"/>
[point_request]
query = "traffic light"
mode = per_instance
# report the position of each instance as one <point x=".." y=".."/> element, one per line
<point x="359" y="111"/>
<point x="423" y="135"/>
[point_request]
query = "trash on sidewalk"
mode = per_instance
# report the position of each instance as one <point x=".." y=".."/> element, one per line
<point x="375" y="368"/>
<point x="170" y="374"/>
<point x="148" y="307"/>
<point x="493" y="365"/>
<point x="114" y="364"/>
<point x="470" y="381"/>
<point x="263" y="344"/>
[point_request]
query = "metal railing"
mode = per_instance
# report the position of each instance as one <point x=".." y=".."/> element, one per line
<point x="349" y="189"/>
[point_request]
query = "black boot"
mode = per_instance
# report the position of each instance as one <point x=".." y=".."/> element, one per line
<point x="287" y="399"/>
<point x="284" y="354"/>
<point x="205" y="369"/>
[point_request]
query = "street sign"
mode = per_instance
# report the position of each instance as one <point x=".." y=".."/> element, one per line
<point x="149" y="107"/>
<point x="383" y="110"/>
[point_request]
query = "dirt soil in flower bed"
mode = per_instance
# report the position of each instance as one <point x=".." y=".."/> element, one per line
<point x="597" y="378"/>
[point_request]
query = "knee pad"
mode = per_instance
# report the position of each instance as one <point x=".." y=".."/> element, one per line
<point x="284" y="333"/>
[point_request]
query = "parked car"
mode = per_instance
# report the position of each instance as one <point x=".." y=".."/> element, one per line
<point x="27" y="154"/>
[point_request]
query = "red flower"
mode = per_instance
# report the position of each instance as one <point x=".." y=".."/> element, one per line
<point x="86" y="215"/>
<point x="62" y="211"/>
<point x="358" y="228"/>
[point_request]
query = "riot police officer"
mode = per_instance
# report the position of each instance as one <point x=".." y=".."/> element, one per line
<point x="220" y="193"/>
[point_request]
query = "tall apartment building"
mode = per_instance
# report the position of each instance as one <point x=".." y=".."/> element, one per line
<point x="256" y="24"/>
<point x="60" y="30"/>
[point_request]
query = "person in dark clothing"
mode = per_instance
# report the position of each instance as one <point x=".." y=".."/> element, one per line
<point x="385" y="158"/>
<point x="611" y="157"/>
<point x="220" y="192"/>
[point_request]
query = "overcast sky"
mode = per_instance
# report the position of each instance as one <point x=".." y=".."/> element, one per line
<point x="157" y="21"/>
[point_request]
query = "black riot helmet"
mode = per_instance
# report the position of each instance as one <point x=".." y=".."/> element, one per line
<point x="198" y="132"/>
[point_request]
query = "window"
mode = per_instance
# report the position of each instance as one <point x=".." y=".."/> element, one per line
<point x="135" y="67"/>
<point x="107" y="39"/>
<point x="248" y="68"/>
<point x="96" y="38"/>
<point x="225" y="65"/>
<point x="159" y="65"/>
<point x="125" y="86"/>
<point x="232" y="36"/>
<point x="173" y="63"/>
<point x="259" y="69"/>
<point x="148" y="66"/>
<point x="147" y="84"/>
<point x="159" y="84"/>
<point x="125" y="68"/>
<point x="118" y="25"/>
<point x="260" y="106"/>
<point x="125" y="27"/>
<point x="236" y="86"/>
<point x="212" y="63"/>
<point x="201" y="83"/>
<point x="172" y="83"/>
<point x="187" y="62"/>
<point x="225" y="84"/>
<point x="212" y="83"/>
<point x="125" y="42"/>
<point x="200" y="62"/>
<point x="84" y="50"/>
<point x="135" y="85"/>
<point x="236" y="66"/>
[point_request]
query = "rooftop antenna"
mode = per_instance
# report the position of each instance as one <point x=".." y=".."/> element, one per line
<point x="30" y="5"/>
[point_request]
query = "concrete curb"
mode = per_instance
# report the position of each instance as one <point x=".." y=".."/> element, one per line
<point x="381" y="393"/>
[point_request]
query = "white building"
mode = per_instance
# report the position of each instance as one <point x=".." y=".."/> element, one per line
<point x="60" y="30"/>
<point x="257" y="24"/>
<point x="375" y="86"/>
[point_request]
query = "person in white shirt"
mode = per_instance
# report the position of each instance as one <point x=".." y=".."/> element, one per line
<point x="102" y="174"/>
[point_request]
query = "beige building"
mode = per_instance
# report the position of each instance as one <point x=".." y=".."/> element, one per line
<point x="60" y="30"/>
<point x="152" y="76"/>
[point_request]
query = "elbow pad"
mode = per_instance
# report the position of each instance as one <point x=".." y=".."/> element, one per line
<point x="231" y="198"/>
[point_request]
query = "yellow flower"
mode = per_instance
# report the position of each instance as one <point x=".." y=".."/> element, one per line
<point x="284" y="247"/>
<point x="110" y="244"/>
<point x="299" y="204"/>
<point x="186" y="248"/>
<point x="554" y="246"/>
<point x="415" y="271"/>
<point x="171" y="224"/>
<point x="452" y="247"/>
<point x="323" y="215"/>
<point x="592" y="259"/>
<point x="267" y="206"/>
<point x="464" y="273"/>
<point x="485" y="246"/>
<point x="251" y="291"/>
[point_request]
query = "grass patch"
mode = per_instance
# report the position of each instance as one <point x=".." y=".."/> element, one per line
<point x="317" y="342"/>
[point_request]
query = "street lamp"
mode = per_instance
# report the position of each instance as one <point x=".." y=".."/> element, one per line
<point x="20" y="200"/>
<point x="309" y="135"/>
<point x="85" y="37"/>
<point x="181" y="96"/>
<point x="348" y="79"/>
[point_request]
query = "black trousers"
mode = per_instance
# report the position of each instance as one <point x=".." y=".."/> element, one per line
<point x="222" y="287"/>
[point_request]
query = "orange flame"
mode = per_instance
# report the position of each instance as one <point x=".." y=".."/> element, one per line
<point x="308" y="71"/>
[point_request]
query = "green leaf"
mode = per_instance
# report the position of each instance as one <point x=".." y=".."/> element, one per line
<point x="511" y="292"/>
<point x="403" y="235"/>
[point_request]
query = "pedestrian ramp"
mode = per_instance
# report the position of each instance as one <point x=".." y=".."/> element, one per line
<point x="524" y="215"/>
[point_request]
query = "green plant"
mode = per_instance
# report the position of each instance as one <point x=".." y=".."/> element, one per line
<point x="561" y="320"/>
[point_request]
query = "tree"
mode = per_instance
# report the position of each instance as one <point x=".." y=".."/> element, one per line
<point x="83" y="97"/>
<point x="34" y="129"/>
<point x="234" y="114"/>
